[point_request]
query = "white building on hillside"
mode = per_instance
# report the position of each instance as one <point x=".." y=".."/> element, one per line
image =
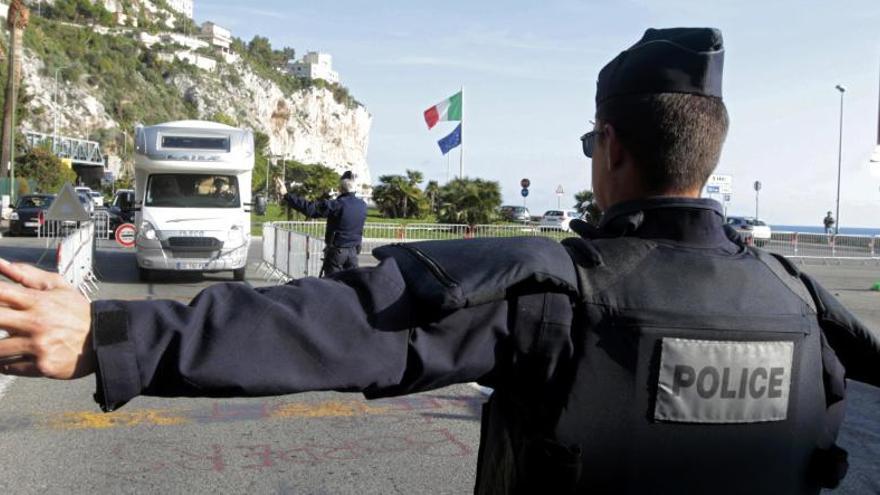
<point x="314" y="65"/>
<point x="217" y="36"/>
<point x="185" y="7"/>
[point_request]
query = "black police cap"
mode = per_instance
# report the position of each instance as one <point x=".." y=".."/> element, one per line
<point x="676" y="60"/>
<point x="347" y="175"/>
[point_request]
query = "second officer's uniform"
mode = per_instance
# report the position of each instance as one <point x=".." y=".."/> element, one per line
<point x="346" y="215"/>
<point x="655" y="354"/>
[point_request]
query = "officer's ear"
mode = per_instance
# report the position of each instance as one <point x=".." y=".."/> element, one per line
<point x="614" y="152"/>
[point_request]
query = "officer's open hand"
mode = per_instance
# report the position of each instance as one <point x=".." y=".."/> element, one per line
<point x="48" y="322"/>
<point x="279" y="185"/>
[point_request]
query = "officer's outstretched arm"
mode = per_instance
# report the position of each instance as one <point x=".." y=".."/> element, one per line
<point x="856" y="345"/>
<point x="355" y="332"/>
<point x="312" y="209"/>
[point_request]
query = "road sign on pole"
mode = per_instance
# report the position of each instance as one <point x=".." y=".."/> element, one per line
<point x="125" y="235"/>
<point x="524" y="192"/>
<point x="525" y="183"/>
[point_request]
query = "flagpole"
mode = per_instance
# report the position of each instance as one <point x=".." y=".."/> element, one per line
<point x="461" y="147"/>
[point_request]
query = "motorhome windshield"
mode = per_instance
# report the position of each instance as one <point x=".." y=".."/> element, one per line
<point x="192" y="191"/>
<point x="195" y="143"/>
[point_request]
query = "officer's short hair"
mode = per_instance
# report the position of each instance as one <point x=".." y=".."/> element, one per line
<point x="675" y="138"/>
<point x="346" y="186"/>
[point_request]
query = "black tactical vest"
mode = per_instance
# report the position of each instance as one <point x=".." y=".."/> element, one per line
<point x="682" y="372"/>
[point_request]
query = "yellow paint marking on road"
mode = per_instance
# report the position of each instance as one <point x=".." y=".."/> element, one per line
<point x="87" y="420"/>
<point x="325" y="410"/>
<point x="121" y="419"/>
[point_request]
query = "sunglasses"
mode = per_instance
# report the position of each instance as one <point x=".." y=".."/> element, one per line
<point x="588" y="141"/>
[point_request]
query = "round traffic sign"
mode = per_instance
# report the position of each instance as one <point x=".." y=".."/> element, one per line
<point x="525" y="183"/>
<point x="524" y="192"/>
<point x="757" y="185"/>
<point x="125" y="235"/>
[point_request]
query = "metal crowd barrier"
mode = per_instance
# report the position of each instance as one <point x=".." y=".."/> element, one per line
<point x="75" y="259"/>
<point x="808" y="245"/>
<point x="101" y="219"/>
<point x="288" y="254"/>
<point x="294" y="249"/>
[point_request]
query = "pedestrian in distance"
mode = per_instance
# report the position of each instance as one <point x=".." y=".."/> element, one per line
<point x="829" y="223"/>
<point x="345" y="223"/>
<point x="655" y="353"/>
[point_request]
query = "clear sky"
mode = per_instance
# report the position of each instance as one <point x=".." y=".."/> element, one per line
<point x="529" y="71"/>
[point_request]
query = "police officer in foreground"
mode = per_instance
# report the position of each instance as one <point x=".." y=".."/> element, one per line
<point x="345" y="223"/>
<point x="655" y="354"/>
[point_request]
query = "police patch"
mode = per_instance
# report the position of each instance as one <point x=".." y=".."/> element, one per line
<point x="704" y="381"/>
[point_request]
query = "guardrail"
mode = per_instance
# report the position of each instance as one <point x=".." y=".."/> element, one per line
<point x="809" y="245"/>
<point x="294" y="249"/>
<point x="75" y="259"/>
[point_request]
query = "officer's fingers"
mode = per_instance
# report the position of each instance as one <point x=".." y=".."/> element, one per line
<point x="15" y="296"/>
<point x="17" y="322"/>
<point x="22" y="367"/>
<point x="30" y="276"/>
<point x="12" y="348"/>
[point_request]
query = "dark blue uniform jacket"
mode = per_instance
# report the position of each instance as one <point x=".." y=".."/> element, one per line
<point x="345" y="217"/>
<point x="431" y="314"/>
<point x="375" y="329"/>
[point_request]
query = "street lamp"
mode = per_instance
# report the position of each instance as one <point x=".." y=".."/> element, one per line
<point x="839" y="158"/>
<point x="55" y="104"/>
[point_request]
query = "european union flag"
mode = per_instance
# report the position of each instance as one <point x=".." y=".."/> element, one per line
<point x="451" y="141"/>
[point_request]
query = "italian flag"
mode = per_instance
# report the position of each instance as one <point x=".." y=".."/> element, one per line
<point x="448" y="109"/>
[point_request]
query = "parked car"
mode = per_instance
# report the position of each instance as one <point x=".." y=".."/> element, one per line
<point x="87" y="203"/>
<point x="557" y="219"/>
<point x="751" y="226"/>
<point x="97" y="198"/>
<point x="121" y="210"/>
<point x="515" y="213"/>
<point x="29" y="213"/>
<point x="94" y="196"/>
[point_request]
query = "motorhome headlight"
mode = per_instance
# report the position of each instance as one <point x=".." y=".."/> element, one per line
<point x="236" y="234"/>
<point x="147" y="231"/>
<point x="13" y="216"/>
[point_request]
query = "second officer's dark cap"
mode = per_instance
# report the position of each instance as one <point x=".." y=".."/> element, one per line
<point x="676" y="60"/>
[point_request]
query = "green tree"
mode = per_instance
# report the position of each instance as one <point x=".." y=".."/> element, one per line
<point x="46" y="169"/>
<point x="469" y="201"/>
<point x="432" y="190"/>
<point x="261" y="161"/>
<point x="399" y="196"/>
<point x="586" y="205"/>
<point x="312" y="182"/>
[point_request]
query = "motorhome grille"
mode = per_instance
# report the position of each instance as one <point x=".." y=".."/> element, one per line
<point x="194" y="242"/>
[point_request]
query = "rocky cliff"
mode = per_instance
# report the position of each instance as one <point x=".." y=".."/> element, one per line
<point x="309" y="124"/>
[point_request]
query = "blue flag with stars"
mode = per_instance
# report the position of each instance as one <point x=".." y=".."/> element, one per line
<point x="451" y="141"/>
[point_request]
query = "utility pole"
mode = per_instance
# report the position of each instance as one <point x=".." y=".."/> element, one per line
<point x="16" y="21"/>
<point x="55" y="120"/>
<point x="839" y="159"/>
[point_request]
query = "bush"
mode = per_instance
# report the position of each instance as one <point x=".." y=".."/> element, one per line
<point x="46" y="169"/>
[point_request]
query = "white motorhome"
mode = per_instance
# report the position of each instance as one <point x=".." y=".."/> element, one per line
<point x="193" y="197"/>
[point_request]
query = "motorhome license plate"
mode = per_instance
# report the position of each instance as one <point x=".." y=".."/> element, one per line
<point x="191" y="233"/>
<point x="31" y="224"/>
<point x="191" y="266"/>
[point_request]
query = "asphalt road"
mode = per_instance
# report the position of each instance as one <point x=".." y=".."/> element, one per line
<point x="53" y="438"/>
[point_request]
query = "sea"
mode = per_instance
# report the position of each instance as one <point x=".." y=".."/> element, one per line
<point x="818" y="229"/>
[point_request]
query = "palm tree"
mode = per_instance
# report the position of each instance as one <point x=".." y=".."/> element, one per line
<point x="586" y="205"/>
<point x="399" y="196"/>
<point x="432" y="190"/>
<point x="469" y="201"/>
<point x="16" y="21"/>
